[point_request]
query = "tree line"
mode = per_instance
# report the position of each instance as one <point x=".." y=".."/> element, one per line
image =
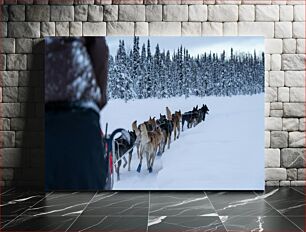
<point x="139" y="73"/>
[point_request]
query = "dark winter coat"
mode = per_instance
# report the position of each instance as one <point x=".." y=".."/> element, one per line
<point x="75" y="92"/>
<point x="76" y="69"/>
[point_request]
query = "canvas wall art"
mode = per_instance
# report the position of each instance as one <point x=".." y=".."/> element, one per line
<point x="182" y="113"/>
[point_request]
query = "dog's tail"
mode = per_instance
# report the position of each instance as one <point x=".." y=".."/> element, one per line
<point x="169" y="115"/>
<point x="135" y="128"/>
<point x="144" y="133"/>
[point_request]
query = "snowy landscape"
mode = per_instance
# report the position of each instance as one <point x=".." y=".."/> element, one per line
<point x="226" y="151"/>
<point x="208" y="156"/>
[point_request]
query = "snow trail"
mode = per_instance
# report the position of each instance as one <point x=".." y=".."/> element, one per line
<point x="224" y="152"/>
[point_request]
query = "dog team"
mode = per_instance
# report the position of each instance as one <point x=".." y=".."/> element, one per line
<point x="152" y="136"/>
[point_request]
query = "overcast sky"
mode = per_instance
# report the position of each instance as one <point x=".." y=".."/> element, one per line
<point x="195" y="45"/>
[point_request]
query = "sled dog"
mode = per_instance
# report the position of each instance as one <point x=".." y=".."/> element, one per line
<point x="166" y="127"/>
<point x="190" y="117"/>
<point x="149" y="143"/>
<point x="124" y="144"/>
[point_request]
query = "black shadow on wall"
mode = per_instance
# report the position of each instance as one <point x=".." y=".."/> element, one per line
<point x="31" y="139"/>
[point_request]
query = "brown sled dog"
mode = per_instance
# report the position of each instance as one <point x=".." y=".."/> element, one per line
<point x="176" y="120"/>
<point x="149" y="143"/>
<point x="151" y="127"/>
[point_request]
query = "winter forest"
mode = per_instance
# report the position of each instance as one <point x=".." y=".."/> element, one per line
<point x="145" y="72"/>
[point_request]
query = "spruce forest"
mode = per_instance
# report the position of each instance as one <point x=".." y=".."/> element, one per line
<point x="141" y="73"/>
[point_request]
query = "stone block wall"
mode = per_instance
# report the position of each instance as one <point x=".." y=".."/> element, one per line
<point x="24" y="24"/>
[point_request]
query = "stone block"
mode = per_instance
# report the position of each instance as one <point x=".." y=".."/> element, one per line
<point x="141" y="29"/>
<point x="271" y="183"/>
<point x="289" y="46"/>
<point x="277" y="79"/>
<point x="94" y="28"/>
<point x="279" y="139"/>
<point x="276" y="106"/>
<point x="297" y="94"/>
<point x="292" y="174"/>
<point x="272" y="158"/>
<point x="273" y="46"/>
<point x="17" y="13"/>
<point x="83" y="2"/>
<point x="8" y="139"/>
<point x="24" y="29"/>
<point x="110" y="13"/>
<point x="9" y="78"/>
<point x="154" y="13"/>
<point x="267" y="139"/>
<point x="11" y="157"/>
<point x="300" y="46"/>
<point x="271" y="94"/>
<point x="293" y="61"/>
<point x="299" y="13"/>
<point x="301" y="174"/>
<point x="284" y="183"/>
<point x="246" y="13"/>
<point x="47" y="29"/>
<point x="120" y="28"/>
<point x="2" y="62"/>
<point x="16" y="62"/>
<point x="292" y="158"/>
<point x="197" y="13"/>
<point x="265" y="29"/>
<point x="172" y="13"/>
<point x="191" y="28"/>
<point x="62" y="13"/>
<point x="8" y="45"/>
<point x="81" y="12"/>
<point x="286" y="13"/>
<point x="75" y="29"/>
<point x="276" y="62"/>
<point x="273" y="123"/>
<point x="95" y="13"/>
<point x="174" y="2"/>
<point x="165" y="28"/>
<point x="62" y="28"/>
<point x="296" y="139"/>
<point x="283" y="30"/>
<point x="298" y="30"/>
<point x="290" y="124"/>
<point x="275" y="174"/>
<point x="38" y="13"/>
<point x="11" y="110"/>
<point x="230" y="29"/>
<point x="276" y="113"/>
<point x="297" y="183"/>
<point x="267" y="13"/>
<point x="24" y="45"/>
<point x="9" y="94"/>
<point x="294" y="78"/>
<point x="131" y="13"/>
<point x="222" y="13"/>
<point x="212" y="29"/>
<point x="302" y="124"/>
<point x="129" y="2"/>
<point x="294" y="110"/>
<point x="4" y="16"/>
<point x="267" y="62"/>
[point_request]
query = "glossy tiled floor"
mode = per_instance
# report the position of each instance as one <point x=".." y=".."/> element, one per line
<point x="277" y="209"/>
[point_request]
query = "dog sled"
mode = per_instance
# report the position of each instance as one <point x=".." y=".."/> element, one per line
<point x="113" y="155"/>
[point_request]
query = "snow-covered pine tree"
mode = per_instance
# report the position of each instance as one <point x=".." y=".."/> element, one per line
<point x="142" y="75"/>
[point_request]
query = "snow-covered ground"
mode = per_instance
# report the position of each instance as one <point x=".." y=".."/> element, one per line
<point x="226" y="152"/>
